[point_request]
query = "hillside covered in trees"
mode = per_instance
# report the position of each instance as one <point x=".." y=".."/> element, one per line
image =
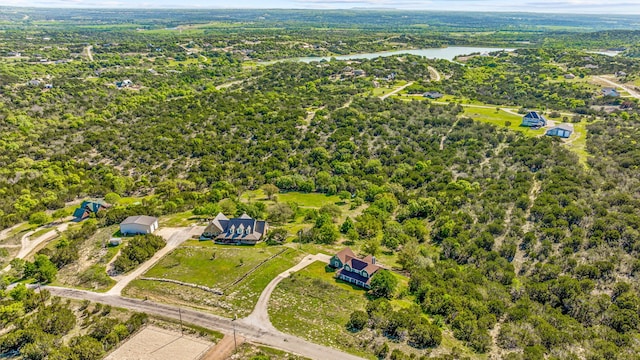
<point x="518" y="245"/>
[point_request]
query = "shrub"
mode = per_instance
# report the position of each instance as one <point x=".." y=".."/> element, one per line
<point x="138" y="250"/>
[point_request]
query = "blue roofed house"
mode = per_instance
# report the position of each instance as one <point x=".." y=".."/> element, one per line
<point x="353" y="269"/>
<point x="89" y="206"/>
<point x="562" y="130"/>
<point x="432" y="95"/>
<point x="610" y="92"/>
<point x="533" y="119"/>
<point x="244" y="230"/>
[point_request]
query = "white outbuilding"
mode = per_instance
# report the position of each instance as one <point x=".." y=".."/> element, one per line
<point x="140" y="224"/>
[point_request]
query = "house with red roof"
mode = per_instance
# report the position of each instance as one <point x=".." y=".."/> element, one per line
<point x="353" y="269"/>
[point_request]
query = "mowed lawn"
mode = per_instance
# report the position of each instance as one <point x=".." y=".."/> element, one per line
<point x="309" y="200"/>
<point x="314" y="305"/>
<point x="193" y="264"/>
<point x="500" y="118"/>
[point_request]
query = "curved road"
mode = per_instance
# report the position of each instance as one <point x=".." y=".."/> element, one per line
<point x="435" y="73"/>
<point x="259" y="317"/>
<point x="27" y="246"/>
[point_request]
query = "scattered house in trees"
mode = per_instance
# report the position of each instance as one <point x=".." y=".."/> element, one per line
<point x="591" y="66"/>
<point x="569" y="76"/>
<point x="34" y="82"/>
<point x="353" y="269"/>
<point x="533" y="119"/>
<point x="124" y="83"/>
<point x="621" y="74"/>
<point x="610" y="92"/>
<point x="359" y="72"/>
<point x="48" y="86"/>
<point x="244" y="230"/>
<point x="115" y="241"/>
<point x="89" y="206"/>
<point x="432" y="95"/>
<point x="562" y="130"/>
<point x="140" y="224"/>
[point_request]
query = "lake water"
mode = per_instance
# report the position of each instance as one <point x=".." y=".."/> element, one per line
<point x="448" y="53"/>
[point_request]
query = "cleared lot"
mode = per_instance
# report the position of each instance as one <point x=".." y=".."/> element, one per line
<point x="154" y="343"/>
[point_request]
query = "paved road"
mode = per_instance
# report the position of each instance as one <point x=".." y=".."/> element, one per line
<point x="631" y="92"/>
<point x="245" y="329"/>
<point x="259" y="317"/>
<point x="396" y="90"/>
<point x="27" y="245"/>
<point x="435" y="72"/>
<point x="174" y="237"/>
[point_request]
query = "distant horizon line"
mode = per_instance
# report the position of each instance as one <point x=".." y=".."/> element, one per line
<point x="320" y="9"/>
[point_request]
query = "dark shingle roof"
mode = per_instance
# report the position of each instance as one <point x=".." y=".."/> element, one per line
<point x="354" y="276"/>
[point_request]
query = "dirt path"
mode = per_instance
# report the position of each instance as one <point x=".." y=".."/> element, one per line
<point x="259" y="317"/>
<point x="224" y="349"/>
<point x="499" y="240"/>
<point x="444" y="137"/>
<point x="246" y="330"/>
<point x="435" y="73"/>
<point x="518" y="259"/>
<point x="496" y="352"/>
<point x="174" y="237"/>
<point x="631" y="92"/>
<point x="396" y="90"/>
<point x="87" y="50"/>
<point x="229" y="84"/>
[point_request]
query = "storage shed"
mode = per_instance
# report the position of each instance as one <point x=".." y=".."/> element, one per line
<point x="562" y="130"/>
<point x="140" y="224"/>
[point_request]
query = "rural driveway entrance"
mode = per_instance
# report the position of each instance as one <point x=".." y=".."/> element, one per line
<point x="174" y="237"/>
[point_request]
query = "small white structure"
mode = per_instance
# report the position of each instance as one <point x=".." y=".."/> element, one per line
<point x="115" y="241"/>
<point x="140" y="224"/>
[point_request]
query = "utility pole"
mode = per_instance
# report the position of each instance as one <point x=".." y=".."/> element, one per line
<point x="181" y="328"/>
<point x="235" y="343"/>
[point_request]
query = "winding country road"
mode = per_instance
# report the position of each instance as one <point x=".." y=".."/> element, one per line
<point x="631" y="92"/>
<point x="435" y="73"/>
<point x="27" y="245"/>
<point x="396" y="90"/>
<point x="259" y="317"/>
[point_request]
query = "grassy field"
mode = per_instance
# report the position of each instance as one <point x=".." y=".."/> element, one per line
<point x="383" y="89"/>
<point x="309" y="200"/>
<point x="315" y="306"/>
<point x="179" y="220"/>
<point x="500" y="118"/>
<point x="193" y="264"/>
<point x="212" y="266"/>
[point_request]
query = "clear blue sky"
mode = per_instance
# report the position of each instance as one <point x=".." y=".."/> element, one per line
<point x="564" y="6"/>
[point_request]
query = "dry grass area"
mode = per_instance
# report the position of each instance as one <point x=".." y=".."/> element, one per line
<point x="89" y="271"/>
<point x="249" y="351"/>
<point x="154" y="343"/>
